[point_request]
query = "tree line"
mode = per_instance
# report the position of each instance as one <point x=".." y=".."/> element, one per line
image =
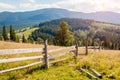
<point x="64" y="35"/>
<point x="11" y="35"/>
<point x="96" y="33"/>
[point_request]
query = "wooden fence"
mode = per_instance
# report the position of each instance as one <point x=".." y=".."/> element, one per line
<point x="18" y="51"/>
<point x="45" y="56"/>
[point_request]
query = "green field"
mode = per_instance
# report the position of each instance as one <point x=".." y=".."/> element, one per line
<point x="26" y="31"/>
<point x="105" y="62"/>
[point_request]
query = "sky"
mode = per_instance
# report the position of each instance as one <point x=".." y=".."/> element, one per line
<point x="72" y="5"/>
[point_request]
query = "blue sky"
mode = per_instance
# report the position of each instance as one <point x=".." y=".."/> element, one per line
<point x="73" y="5"/>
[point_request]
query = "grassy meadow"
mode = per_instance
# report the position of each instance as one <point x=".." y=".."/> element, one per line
<point x="105" y="62"/>
<point x="26" y="31"/>
<point x="14" y="45"/>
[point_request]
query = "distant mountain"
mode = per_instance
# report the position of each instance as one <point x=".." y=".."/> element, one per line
<point x="31" y="18"/>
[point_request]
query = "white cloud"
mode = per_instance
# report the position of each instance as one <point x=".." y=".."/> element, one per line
<point x="74" y="5"/>
<point x="31" y="1"/>
<point x="34" y="6"/>
<point x="4" y="6"/>
<point x="91" y="5"/>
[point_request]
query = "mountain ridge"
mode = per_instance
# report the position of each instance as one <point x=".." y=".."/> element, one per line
<point x="31" y="18"/>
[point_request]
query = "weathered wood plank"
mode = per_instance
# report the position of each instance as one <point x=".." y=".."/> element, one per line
<point x="19" y="59"/>
<point x="55" y="50"/>
<point x="88" y="74"/>
<point x="21" y="67"/>
<point x="60" y="54"/>
<point x="18" y="51"/>
<point x="46" y="58"/>
<point x="96" y="73"/>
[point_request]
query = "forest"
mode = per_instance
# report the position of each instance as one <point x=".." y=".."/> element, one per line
<point x="98" y="33"/>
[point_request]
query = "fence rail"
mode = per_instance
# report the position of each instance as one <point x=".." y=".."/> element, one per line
<point x="19" y="59"/>
<point x="21" y="67"/>
<point x="45" y="58"/>
<point x="60" y="54"/>
<point x="15" y="51"/>
<point x="56" y="50"/>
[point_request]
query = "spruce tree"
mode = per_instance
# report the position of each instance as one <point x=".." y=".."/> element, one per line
<point x="24" y="39"/>
<point x="5" y="34"/>
<point x="64" y="36"/>
<point x="11" y="33"/>
<point x="13" y="36"/>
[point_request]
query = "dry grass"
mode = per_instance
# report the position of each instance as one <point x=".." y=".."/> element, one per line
<point x="6" y="56"/>
<point x="13" y="45"/>
<point x="104" y="61"/>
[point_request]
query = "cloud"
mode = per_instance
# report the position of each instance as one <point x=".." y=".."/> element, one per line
<point x="4" y="6"/>
<point x="32" y="1"/>
<point x="90" y="5"/>
<point x="34" y="6"/>
<point x="74" y="5"/>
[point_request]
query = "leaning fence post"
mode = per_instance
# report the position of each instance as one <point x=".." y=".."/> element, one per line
<point x="46" y="60"/>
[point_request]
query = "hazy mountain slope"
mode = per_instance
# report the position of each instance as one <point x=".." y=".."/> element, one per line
<point x="29" y="18"/>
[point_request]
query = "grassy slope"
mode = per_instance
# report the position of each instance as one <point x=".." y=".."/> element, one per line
<point x="104" y="61"/>
<point x="27" y="32"/>
<point x="13" y="45"/>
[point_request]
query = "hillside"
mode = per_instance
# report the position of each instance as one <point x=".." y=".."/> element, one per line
<point x="97" y="29"/>
<point x="26" y="31"/>
<point x="31" y="18"/>
<point x="67" y="70"/>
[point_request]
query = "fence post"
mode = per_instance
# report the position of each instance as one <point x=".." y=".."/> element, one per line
<point x="86" y="45"/>
<point x="46" y="60"/>
<point x="76" y="53"/>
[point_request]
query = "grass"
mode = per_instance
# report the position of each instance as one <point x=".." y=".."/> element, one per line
<point x="13" y="45"/>
<point x="27" y="32"/>
<point x="59" y="72"/>
<point x="105" y="62"/>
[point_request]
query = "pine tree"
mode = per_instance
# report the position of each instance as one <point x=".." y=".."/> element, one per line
<point x="5" y="34"/>
<point x="64" y="37"/>
<point x="11" y="32"/>
<point x="13" y="36"/>
<point x="24" y="39"/>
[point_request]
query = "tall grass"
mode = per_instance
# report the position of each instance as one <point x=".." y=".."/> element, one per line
<point x="105" y="62"/>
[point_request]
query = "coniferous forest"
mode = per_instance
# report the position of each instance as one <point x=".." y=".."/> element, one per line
<point x="76" y="30"/>
<point x="99" y="33"/>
